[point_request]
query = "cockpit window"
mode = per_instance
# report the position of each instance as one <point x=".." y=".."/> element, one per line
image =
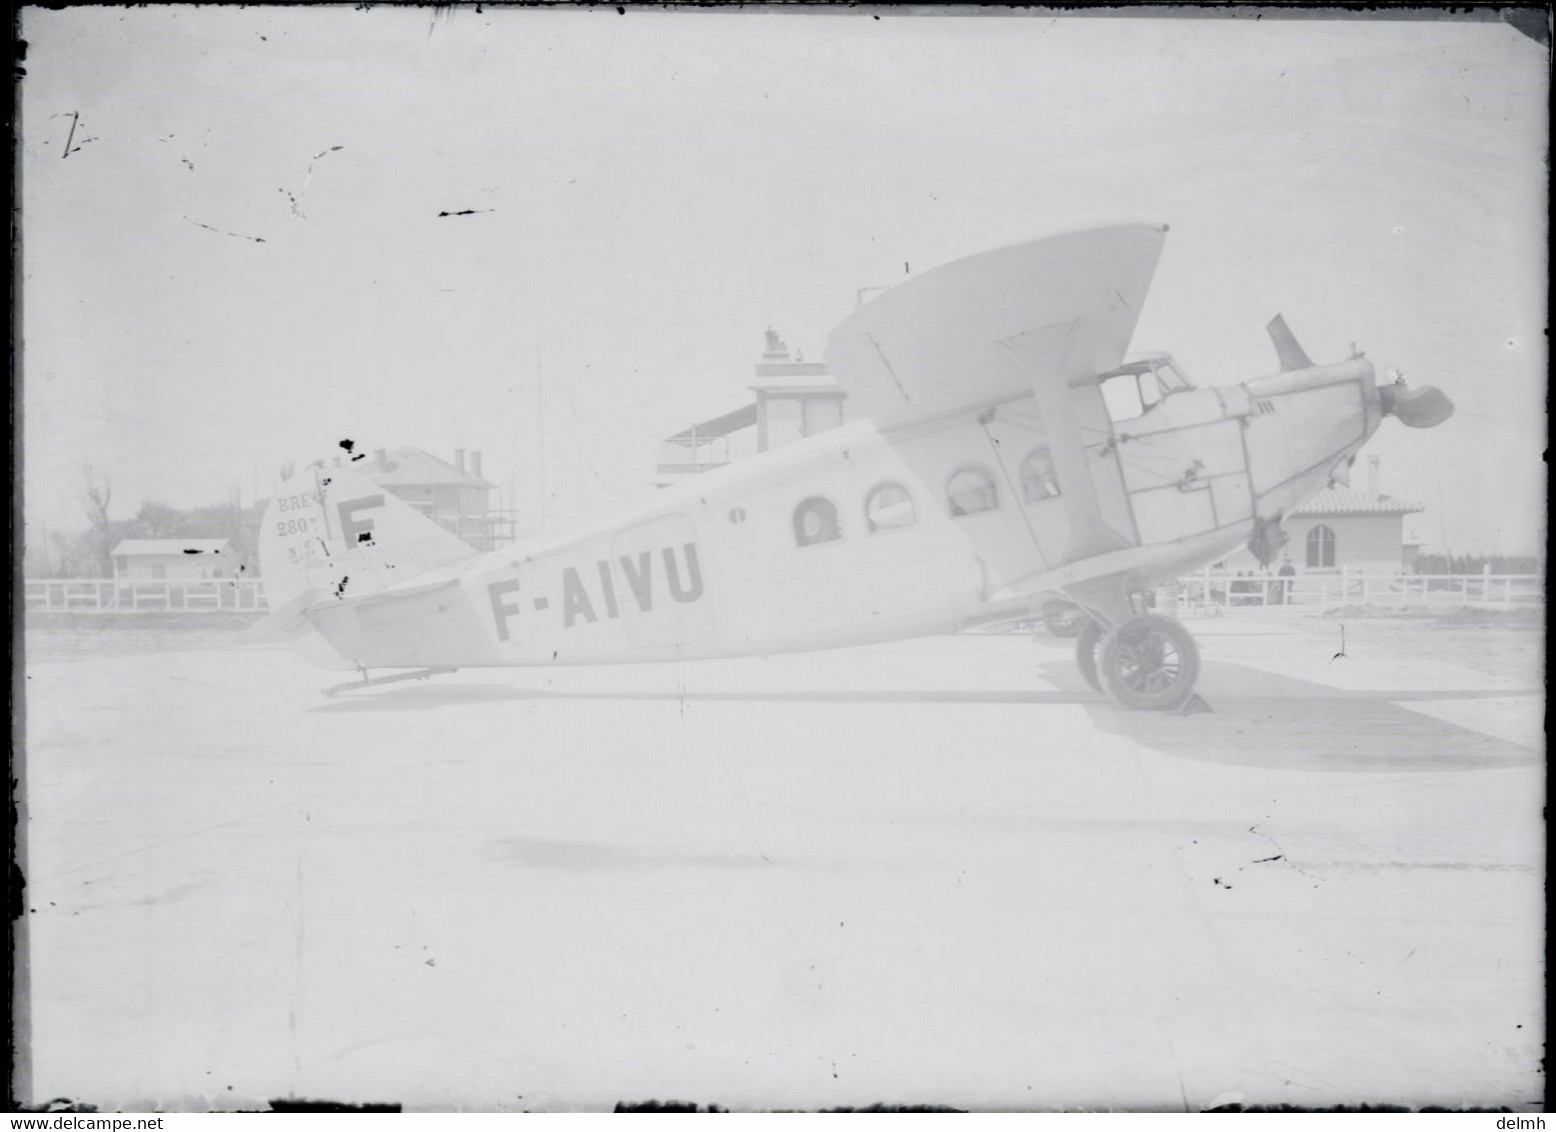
<point x="1170" y="376"/>
<point x="1136" y="388"/>
<point x="1123" y="397"/>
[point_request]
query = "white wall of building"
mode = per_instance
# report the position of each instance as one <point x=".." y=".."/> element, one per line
<point x="1371" y="543"/>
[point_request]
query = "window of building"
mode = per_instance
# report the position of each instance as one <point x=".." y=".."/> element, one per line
<point x="815" y="520"/>
<point x="1320" y="547"/>
<point x="1038" y="481"/>
<point x="972" y="490"/>
<point x="888" y="508"/>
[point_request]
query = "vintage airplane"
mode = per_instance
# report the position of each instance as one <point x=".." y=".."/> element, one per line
<point x="1001" y="455"/>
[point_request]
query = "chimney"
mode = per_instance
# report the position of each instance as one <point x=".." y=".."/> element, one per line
<point x="1374" y="478"/>
<point x="459" y="460"/>
<point x="475" y="463"/>
<point x="775" y="350"/>
<point x="380" y="459"/>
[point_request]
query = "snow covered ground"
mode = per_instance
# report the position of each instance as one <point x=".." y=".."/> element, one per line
<point x="936" y="872"/>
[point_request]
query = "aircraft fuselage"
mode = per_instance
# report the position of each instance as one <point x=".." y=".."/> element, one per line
<point x="858" y="535"/>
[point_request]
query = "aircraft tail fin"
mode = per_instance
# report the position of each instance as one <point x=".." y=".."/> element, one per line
<point x="332" y="531"/>
<point x="1292" y="355"/>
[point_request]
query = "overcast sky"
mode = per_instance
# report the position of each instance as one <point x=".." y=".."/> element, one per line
<point x="652" y="190"/>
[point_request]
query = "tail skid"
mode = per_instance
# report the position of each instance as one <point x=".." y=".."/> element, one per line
<point x="377" y="681"/>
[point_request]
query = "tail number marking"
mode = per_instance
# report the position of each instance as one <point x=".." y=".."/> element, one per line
<point x="682" y="575"/>
<point x="352" y="529"/>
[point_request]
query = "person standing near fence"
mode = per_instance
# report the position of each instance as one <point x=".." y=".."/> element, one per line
<point x="1286" y="572"/>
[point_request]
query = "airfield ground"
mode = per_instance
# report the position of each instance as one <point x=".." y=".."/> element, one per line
<point x="936" y="872"/>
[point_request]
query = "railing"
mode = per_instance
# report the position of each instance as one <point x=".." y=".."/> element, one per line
<point x="1199" y="592"/>
<point x="1208" y="590"/>
<point x="87" y="595"/>
<point x="694" y="455"/>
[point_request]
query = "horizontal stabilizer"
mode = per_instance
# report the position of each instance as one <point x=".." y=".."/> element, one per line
<point x="280" y="622"/>
<point x="1292" y="356"/>
<point x="343" y="595"/>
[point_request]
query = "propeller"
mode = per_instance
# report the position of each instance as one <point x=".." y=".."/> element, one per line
<point x="1426" y="407"/>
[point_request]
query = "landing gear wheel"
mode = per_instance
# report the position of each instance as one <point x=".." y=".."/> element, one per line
<point x="1149" y="662"/>
<point x="1086" y="653"/>
<point x="1066" y="622"/>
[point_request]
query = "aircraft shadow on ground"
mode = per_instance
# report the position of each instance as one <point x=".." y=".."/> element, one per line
<point x="1259" y="719"/>
<point x="1275" y="722"/>
<point x="447" y="695"/>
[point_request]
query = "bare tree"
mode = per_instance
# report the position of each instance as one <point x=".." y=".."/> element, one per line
<point x="99" y="494"/>
<point x="158" y="520"/>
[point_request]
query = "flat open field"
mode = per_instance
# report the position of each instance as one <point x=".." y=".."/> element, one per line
<point x="936" y="872"/>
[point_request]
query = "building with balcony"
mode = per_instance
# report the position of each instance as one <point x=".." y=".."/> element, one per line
<point x="454" y="495"/>
<point x="794" y="399"/>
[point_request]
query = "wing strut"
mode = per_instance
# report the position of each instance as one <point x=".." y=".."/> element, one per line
<point x="1089" y="533"/>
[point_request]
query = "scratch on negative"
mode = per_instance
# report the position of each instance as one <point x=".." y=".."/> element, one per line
<point x="221" y="232"/>
<point x="297" y="201"/>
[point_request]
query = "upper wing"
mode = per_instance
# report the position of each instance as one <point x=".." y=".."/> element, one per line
<point x="976" y="331"/>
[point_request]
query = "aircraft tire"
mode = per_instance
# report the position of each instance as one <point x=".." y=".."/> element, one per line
<point x="1086" y="653"/>
<point x="1149" y="663"/>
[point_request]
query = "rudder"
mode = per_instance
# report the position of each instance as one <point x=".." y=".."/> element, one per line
<point x="334" y="531"/>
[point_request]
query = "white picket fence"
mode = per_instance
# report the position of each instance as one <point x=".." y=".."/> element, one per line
<point x="1197" y="593"/>
<point x="98" y="595"/>
<point x="1317" y="592"/>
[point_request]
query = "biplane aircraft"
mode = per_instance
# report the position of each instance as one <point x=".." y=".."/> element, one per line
<point x="1001" y="454"/>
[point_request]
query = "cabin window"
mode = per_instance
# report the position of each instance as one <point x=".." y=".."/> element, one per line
<point x="1320" y="547"/>
<point x="1038" y="481"/>
<point x="888" y="508"/>
<point x="972" y="490"/>
<point x="815" y="521"/>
